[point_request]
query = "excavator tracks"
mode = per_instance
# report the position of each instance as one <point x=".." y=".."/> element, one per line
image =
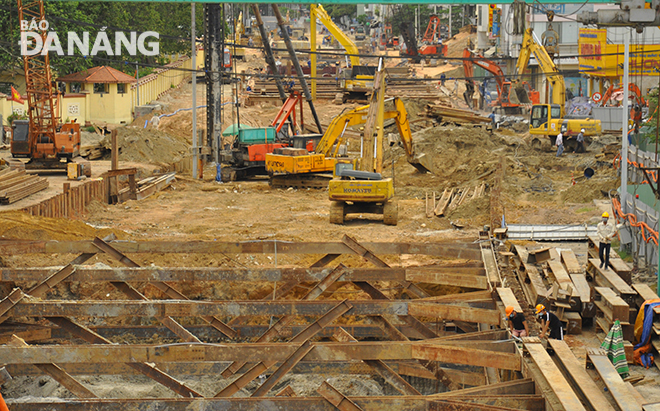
<point x="319" y="181"/>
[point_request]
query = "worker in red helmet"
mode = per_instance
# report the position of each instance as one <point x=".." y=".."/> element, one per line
<point x="550" y="324"/>
<point x="517" y="322"/>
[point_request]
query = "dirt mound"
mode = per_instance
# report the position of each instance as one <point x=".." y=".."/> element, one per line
<point x="586" y="190"/>
<point x="459" y="42"/>
<point x="148" y="146"/>
<point x="23" y="226"/>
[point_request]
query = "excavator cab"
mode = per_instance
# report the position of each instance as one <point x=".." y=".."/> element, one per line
<point x="542" y="116"/>
<point x="20" y="142"/>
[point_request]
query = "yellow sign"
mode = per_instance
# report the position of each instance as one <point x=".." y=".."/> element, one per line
<point x="599" y="59"/>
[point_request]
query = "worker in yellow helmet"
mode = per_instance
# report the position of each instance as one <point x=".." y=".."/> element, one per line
<point x="550" y="324"/>
<point x="605" y="234"/>
<point x="517" y="322"/>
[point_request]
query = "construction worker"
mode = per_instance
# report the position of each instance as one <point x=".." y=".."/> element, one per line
<point x="580" y="142"/>
<point x="517" y="322"/>
<point x="559" y="142"/>
<point x="550" y="324"/>
<point x="605" y="234"/>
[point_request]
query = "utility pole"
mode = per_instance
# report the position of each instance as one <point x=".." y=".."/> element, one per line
<point x="624" y="131"/>
<point x="195" y="147"/>
<point x="450" y="21"/>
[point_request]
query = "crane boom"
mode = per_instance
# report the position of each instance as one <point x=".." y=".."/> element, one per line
<point x="342" y="38"/>
<point x="42" y="108"/>
<point x="531" y="46"/>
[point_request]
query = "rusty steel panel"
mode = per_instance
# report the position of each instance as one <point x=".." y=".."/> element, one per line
<point x="467" y="251"/>
<point x="191" y="274"/>
<point x="460" y="355"/>
<point x="454" y="312"/>
<point x="376" y="403"/>
<point x="336" y="398"/>
<point x="431" y="276"/>
<point x="399" y="350"/>
<point x="172" y="308"/>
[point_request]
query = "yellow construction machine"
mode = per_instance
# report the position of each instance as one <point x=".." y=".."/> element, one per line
<point x="306" y="168"/>
<point x="551" y="119"/>
<point x="366" y="191"/>
<point x="357" y="78"/>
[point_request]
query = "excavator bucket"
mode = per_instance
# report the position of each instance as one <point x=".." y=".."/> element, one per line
<point x="422" y="163"/>
<point x="521" y="92"/>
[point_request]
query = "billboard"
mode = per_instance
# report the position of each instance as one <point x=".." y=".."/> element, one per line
<point x="599" y="59"/>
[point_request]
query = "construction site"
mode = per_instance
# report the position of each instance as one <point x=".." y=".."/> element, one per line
<point x="327" y="215"/>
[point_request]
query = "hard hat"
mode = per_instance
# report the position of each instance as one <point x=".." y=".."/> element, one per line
<point x="509" y="310"/>
<point x="606" y="215"/>
<point x="540" y="308"/>
<point x="582" y="130"/>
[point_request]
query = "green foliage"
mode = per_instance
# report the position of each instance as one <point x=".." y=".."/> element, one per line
<point x="406" y="14"/>
<point x="171" y="20"/>
<point x="15" y="116"/>
<point x="90" y="129"/>
<point x="362" y="19"/>
<point x="337" y="10"/>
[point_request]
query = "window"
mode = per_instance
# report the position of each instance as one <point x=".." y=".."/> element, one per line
<point x="121" y="88"/>
<point x="539" y="116"/>
<point x="76" y="87"/>
<point x="100" y="88"/>
<point x="555" y="111"/>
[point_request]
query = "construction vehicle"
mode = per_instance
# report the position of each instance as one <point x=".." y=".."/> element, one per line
<point x="550" y="119"/>
<point x="366" y="191"/>
<point x="354" y="79"/>
<point x="636" y="93"/>
<point x="246" y="156"/>
<point x="509" y="99"/>
<point x="47" y="143"/>
<point x="239" y="38"/>
<point x="313" y="168"/>
<point x="414" y="52"/>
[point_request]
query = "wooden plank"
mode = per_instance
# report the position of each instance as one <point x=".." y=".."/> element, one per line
<point x="623" y="269"/>
<point x="615" y="385"/>
<point x="578" y="377"/>
<point x="645" y="292"/>
<point x="554" y="377"/>
<point x="490" y="263"/>
<point x="612" y="306"/>
<point x="582" y="287"/>
<point x="509" y="299"/>
<point x="608" y="278"/>
<point x="573" y="322"/>
<point x="562" y="277"/>
<point x="571" y="262"/>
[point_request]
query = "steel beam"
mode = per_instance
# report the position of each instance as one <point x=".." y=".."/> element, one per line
<point x="408" y="368"/>
<point x="468" y="356"/>
<point x="284" y="368"/>
<point x="454" y="312"/>
<point x="336" y="398"/>
<point x="190" y="274"/>
<point x="304" y="336"/>
<point x="388" y="374"/>
<point x="276" y="328"/>
<point x="442" y="249"/>
<point x="376" y="403"/>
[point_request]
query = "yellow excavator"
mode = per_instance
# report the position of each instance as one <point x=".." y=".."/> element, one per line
<point x="357" y="78"/>
<point x="550" y="119"/>
<point x="366" y="191"/>
<point x="302" y="168"/>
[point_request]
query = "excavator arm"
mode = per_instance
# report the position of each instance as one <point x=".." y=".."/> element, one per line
<point x="401" y="116"/>
<point x="531" y="46"/>
<point x="342" y="38"/>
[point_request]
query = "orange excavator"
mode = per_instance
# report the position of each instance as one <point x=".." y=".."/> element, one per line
<point x="509" y="99"/>
<point x="636" y="93"/>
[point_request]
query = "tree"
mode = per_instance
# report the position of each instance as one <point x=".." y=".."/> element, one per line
<point x="406" y="15"/>
<point x="336" y="11"/>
